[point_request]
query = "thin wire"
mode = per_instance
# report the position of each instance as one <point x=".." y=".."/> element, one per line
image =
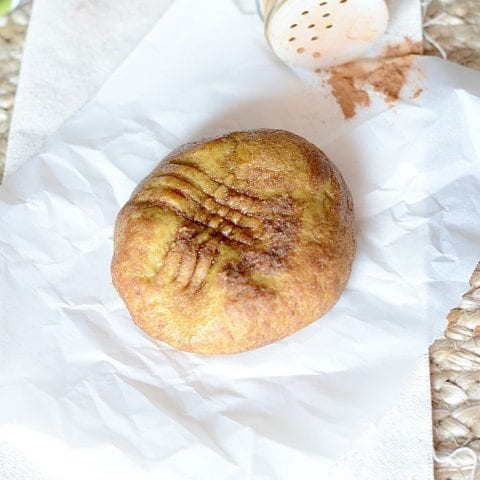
<point x="425" y="4"/>
<point x="442" y="51"/>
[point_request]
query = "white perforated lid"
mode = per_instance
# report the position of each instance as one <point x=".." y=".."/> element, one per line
<point x="322" y="33"/>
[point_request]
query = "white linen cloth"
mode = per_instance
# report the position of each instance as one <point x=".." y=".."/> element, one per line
<point x="55" y="82"/>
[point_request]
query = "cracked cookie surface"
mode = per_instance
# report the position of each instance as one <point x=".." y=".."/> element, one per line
<point x="234" y="242"/>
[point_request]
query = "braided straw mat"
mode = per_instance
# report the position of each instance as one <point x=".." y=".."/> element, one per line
<point x="452" y="30"/>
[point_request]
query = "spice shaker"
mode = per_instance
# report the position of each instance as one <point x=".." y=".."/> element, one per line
<point x="316" y="34"/>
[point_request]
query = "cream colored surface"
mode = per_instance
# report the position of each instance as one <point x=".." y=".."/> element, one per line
<point x="455" y="28"/>
<point x="404" y="421"/>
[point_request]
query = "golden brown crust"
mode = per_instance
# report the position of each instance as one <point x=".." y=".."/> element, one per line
<point x="235" y="242"/>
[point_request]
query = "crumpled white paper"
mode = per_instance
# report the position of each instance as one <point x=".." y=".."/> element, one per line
<point x="85" y="394"/>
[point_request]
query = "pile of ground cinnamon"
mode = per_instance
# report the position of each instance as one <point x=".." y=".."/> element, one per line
<point x="387" y="75"/>
<point x="349" y="82"/>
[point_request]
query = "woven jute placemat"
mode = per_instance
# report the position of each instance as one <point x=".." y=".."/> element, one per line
<point x="12" y="36"/>
<point x="452" y="30"/>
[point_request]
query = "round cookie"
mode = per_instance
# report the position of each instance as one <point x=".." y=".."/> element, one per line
<point x="235" y="242"/>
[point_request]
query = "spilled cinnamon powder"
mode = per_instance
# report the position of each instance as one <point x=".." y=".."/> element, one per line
<point x="416" y="93"/>
<point x="386" y="75"/>
<point x="348" y="95"/>
<point x="350" y="81"/>
<point x="406" y="47"/>
<point x="389" y="78"/>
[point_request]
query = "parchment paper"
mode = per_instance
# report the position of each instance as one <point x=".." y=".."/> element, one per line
<point x="82" y="386"/>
